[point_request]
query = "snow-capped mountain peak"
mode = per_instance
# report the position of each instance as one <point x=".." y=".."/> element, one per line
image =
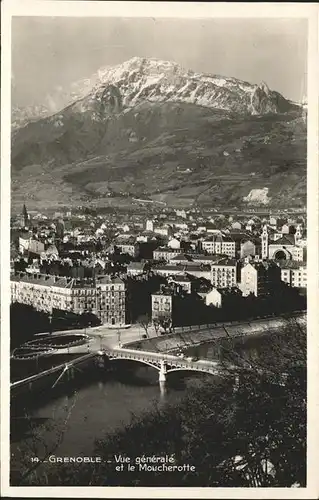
<point x="142" y="79"/>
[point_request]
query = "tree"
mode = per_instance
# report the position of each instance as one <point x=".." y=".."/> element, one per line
<point x="145" y="322"/>
<point x="156" y="324"/>
<point x="20" y="266"/>
<point x="25" y="321"/>
<point x="87" y="319"/>
<point x="31" y="454"/>
<point x="165" y="321"/>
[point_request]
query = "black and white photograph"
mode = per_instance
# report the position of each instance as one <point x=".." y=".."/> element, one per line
<point x="159" y="231"/>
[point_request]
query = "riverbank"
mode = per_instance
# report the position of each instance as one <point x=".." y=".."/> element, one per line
<point x="182" y="339"/>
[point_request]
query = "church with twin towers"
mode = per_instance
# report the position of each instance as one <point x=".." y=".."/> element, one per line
<point x="283" y="245"/>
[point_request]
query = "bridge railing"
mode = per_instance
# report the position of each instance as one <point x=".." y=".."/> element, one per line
<point x="173" y="360"/>
<point x="147" y="356"/>
<point x="56" y="368"/>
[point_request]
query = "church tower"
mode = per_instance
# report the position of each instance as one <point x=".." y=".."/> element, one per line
<point x="264" y="243"/>
<point x="24" y="218"/>
<point x="298" y="233"/>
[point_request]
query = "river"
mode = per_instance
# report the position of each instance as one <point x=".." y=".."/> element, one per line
<point x="95" y="406"/>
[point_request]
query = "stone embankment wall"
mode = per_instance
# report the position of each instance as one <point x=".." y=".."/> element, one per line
<point x="185" y="337"/>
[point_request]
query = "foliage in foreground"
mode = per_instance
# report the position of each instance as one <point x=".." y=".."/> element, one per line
<point x="246" y="436"/>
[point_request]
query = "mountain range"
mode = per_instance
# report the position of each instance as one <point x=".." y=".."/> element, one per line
<point x="153" y="130"/>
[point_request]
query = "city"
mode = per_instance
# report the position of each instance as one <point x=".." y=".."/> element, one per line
<point x="160" y="252"/>
<point x="122" y="268"/>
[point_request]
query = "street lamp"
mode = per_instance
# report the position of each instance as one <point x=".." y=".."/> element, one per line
<point x="119" y="337"/>
<point x="50" y="321"/>
<point x="84" y="314"/>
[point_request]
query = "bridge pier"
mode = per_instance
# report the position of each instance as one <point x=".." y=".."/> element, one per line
<point x="162" y="373"/>
<point x="162" y="386"/>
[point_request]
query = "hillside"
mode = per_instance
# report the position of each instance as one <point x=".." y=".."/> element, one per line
<point x="131" y="137"/>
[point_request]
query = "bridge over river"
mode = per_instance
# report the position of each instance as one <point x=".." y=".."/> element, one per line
<point x="162" y="362"/>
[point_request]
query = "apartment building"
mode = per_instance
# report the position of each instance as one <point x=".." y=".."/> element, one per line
<point x="104" y="296"/>
<point x="43" y="292"/>
<point x="167" y="303"/>
<point x="162" y="304"/>
<point x="136" y="268"/>
<point x="165" y="253"/>
<point x="294" y="273"/>
<point x="164" y="230"/>
<point x="111" y="300"/>
<point x="130" y="248"/>
<point x="219" y="244"/>
<point x="183" y="280"/>
<point x="259" y="278"/>
<point x="224" y="273"/>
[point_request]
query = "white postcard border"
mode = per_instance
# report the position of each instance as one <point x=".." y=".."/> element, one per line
<point x="166" y="9"/>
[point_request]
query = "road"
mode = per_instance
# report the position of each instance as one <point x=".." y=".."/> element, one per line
<point x="103" y="336"/>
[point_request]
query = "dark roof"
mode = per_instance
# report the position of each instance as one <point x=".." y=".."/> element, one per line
<point x="211" y="258"/>
<point x="225" y="262"/>
<point x="44" y="279"/>
<point x="181" y="278"/>
<point x="254" y="240"/>
<point x="228" y="239"/>
<point x="147" y="233"/>
<point x="107" y="279"/>
<point x="239" y="235"/>
<point x="182" y="256"/>
<point x="284" y="241"/>
<point x="220" y="237"/>
<point x="167" y="249"/>
<point x="264" y="265"/>
<point x="181" y="267"/>
<point x="210" y="238"/>
<point x="290" y="264"/>
<point x="62" y="281"/>
<point x="136" y="265"/>
<point x="129" y="241"/>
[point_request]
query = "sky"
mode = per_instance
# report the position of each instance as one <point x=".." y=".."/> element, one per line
<point x="48" y="52"/>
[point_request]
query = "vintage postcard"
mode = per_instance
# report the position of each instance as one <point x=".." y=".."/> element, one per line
<point x="159" y="249"/>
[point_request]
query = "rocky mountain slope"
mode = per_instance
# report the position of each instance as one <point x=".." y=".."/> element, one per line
<point x="141" y="79"/>
<point x="149" y="129"/>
